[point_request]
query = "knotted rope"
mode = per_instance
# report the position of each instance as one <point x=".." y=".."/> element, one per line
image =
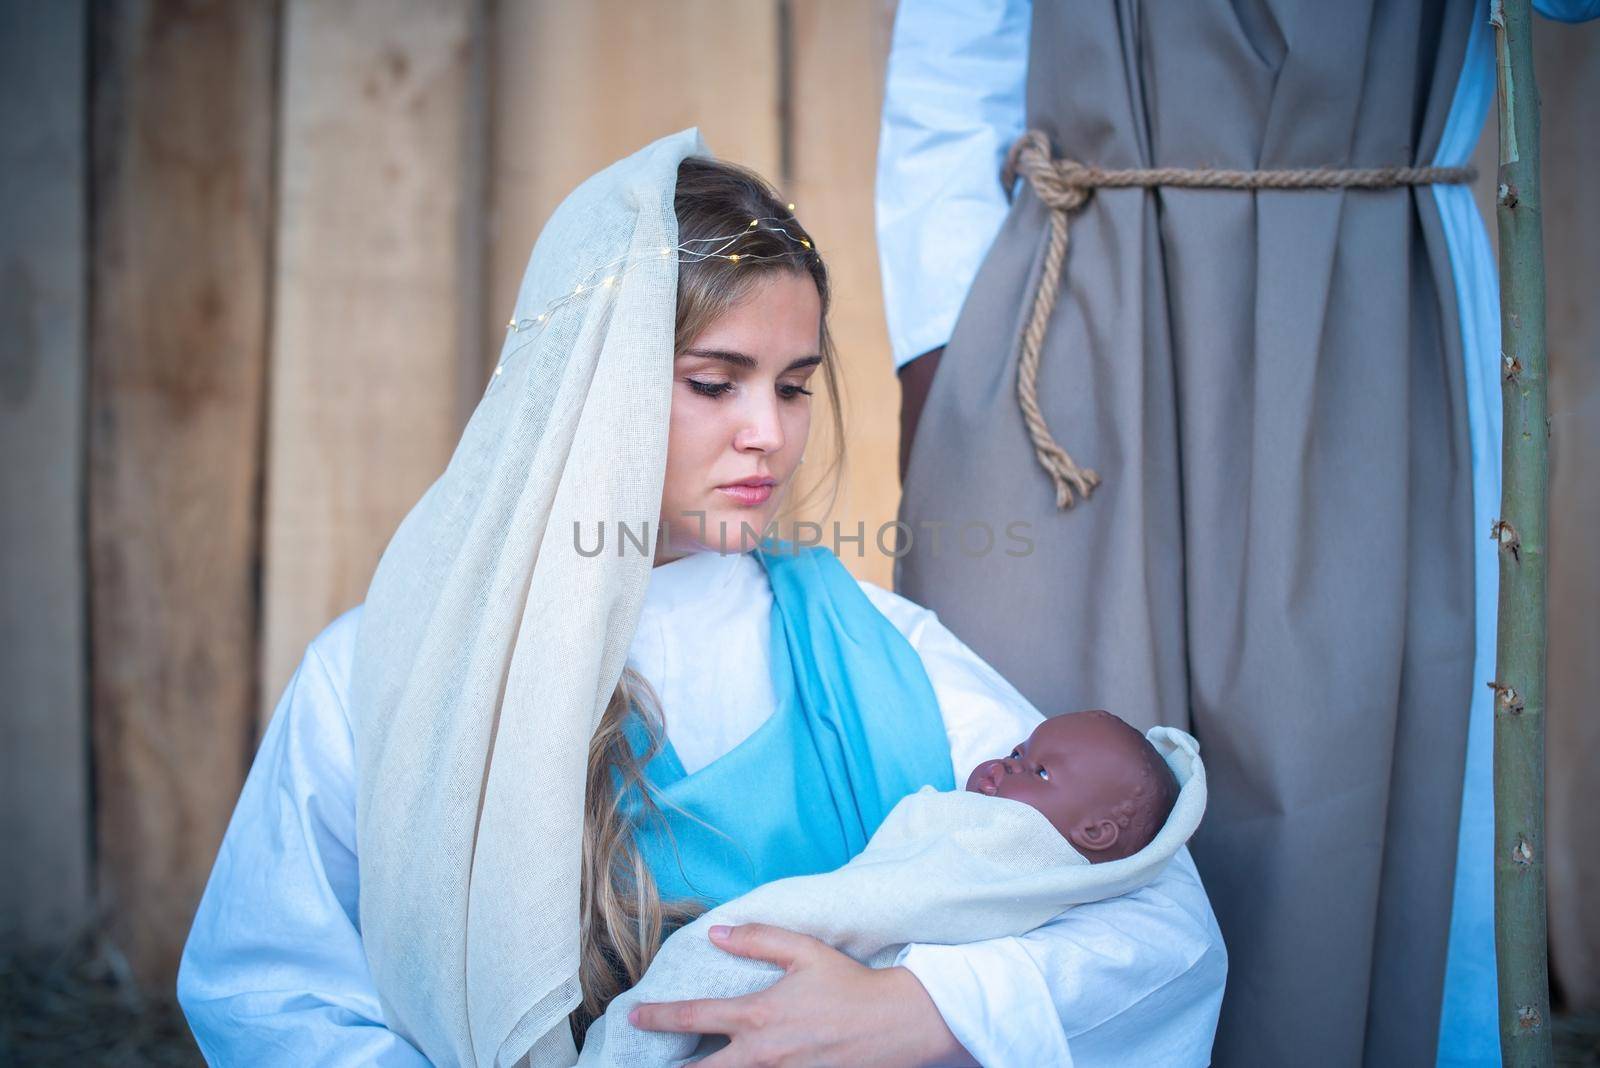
<point x="1065" y="185"/>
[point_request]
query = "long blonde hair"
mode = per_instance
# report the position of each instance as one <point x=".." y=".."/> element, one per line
<point x="623" y="918"/>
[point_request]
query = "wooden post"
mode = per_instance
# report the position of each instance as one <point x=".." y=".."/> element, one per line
<point x="181" y="206"/>
<point x="1519" y="686"/>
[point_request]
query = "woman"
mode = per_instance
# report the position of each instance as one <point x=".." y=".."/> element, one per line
<point x="475" y="727"/>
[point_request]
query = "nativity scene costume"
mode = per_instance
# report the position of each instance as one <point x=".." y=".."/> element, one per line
<point x="1289" y="397"/>
<point x="399" y="883"/>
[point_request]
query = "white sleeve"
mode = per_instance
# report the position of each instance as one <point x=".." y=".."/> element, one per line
<point x="274" y="972"/>
<point x="953" y="102"/>
<point x="1135" y="979"/>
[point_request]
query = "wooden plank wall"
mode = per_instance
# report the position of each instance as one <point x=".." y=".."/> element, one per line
<point x="44" y="753"/>
<point x="309" y="222"/>
<point x="578" y="86"/>
<point x="374" y="312"/>
<point x="182" y="209"/>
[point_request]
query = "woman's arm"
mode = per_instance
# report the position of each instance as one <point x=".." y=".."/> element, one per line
<point x="274" y="971"/>
<point x="1136" y="979"/>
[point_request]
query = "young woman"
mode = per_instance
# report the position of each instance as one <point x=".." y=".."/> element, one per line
<point x="488" y="793"/>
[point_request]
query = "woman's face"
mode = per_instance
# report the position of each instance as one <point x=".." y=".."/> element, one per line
<point x="741" y="412"/>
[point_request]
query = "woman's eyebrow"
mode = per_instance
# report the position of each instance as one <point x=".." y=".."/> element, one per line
<point x="739" y="359"/>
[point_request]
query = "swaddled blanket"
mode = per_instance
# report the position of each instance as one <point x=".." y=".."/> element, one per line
<point x="944" y="867"/>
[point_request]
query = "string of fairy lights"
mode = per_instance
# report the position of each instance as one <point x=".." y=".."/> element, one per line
<point x="610" y="274"/>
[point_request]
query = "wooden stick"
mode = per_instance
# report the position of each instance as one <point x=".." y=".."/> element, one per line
<point x="1519" y="686"/>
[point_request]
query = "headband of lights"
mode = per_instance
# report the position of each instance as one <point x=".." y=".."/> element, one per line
<point x="609" y="274"/>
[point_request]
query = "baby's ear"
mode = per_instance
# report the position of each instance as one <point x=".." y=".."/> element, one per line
<point x="1096" y="836"/>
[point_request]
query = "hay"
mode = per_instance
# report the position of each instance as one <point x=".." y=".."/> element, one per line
<point x="78" y="1005"/>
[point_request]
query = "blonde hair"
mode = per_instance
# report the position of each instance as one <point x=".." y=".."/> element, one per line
<point x="623" y="919"/>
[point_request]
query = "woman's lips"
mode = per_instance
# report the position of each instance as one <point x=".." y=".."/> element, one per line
<point x="747" y="495"/>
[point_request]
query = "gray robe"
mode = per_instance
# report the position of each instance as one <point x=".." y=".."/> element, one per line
<point x="1279" y="559"/>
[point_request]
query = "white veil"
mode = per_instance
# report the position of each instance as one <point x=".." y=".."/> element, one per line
<point x="489" y="647"/>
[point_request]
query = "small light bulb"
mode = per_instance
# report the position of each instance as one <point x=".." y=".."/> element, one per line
<point x="791" y="207"/>
<point x="575" y="292"/>
<point x="610" y="279"/>
<point x="804" y="242"/>
<point x="734" y="258"/>
<point x="539" y="318"/>
<point x="512" y="325"/>
<point x="497" y="371"/>
<point x="754" y="221"/>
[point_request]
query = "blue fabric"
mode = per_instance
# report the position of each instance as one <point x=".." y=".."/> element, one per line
<point x="856" y="727"/>
<point x="1568" y="10"/>
<point x="1469" y="1031"/>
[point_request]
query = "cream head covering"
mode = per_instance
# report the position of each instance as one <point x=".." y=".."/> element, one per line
<point x="489" y="647"/>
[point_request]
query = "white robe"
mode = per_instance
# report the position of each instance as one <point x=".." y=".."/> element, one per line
<point x="274" y="971"/>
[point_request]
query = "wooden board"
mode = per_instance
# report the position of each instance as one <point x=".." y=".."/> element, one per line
<point x="839" y="54"/>
<point x="182" y="141"/>
<point x="575" y="87"/>
<point x="374" y="337"/>
<point x="44" y="745"/>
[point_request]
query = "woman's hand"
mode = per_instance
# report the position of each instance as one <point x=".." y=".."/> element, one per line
<point x="827" y="1010"/>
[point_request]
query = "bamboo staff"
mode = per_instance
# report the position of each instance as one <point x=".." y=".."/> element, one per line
<point x="1519" y="840"/>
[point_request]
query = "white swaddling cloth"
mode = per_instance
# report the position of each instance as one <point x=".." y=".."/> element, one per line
<point x="945" y="867"/>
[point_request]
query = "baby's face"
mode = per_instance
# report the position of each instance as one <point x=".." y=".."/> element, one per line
<point x="1088" y="773"/>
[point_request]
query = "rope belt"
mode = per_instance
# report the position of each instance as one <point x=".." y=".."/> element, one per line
<point x="1064" y="186"/>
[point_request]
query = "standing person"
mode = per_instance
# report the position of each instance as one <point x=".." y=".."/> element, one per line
<point x="430" y="860"/>
<point x="1291" y="398"/>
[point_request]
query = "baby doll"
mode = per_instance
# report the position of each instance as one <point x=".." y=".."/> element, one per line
<point x="1084" y="809"/>
<point x="1093" y="776"/>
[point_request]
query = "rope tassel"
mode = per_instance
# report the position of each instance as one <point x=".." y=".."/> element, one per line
<point x="1064" y="185"/>
<point x="1064" y="471"/>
